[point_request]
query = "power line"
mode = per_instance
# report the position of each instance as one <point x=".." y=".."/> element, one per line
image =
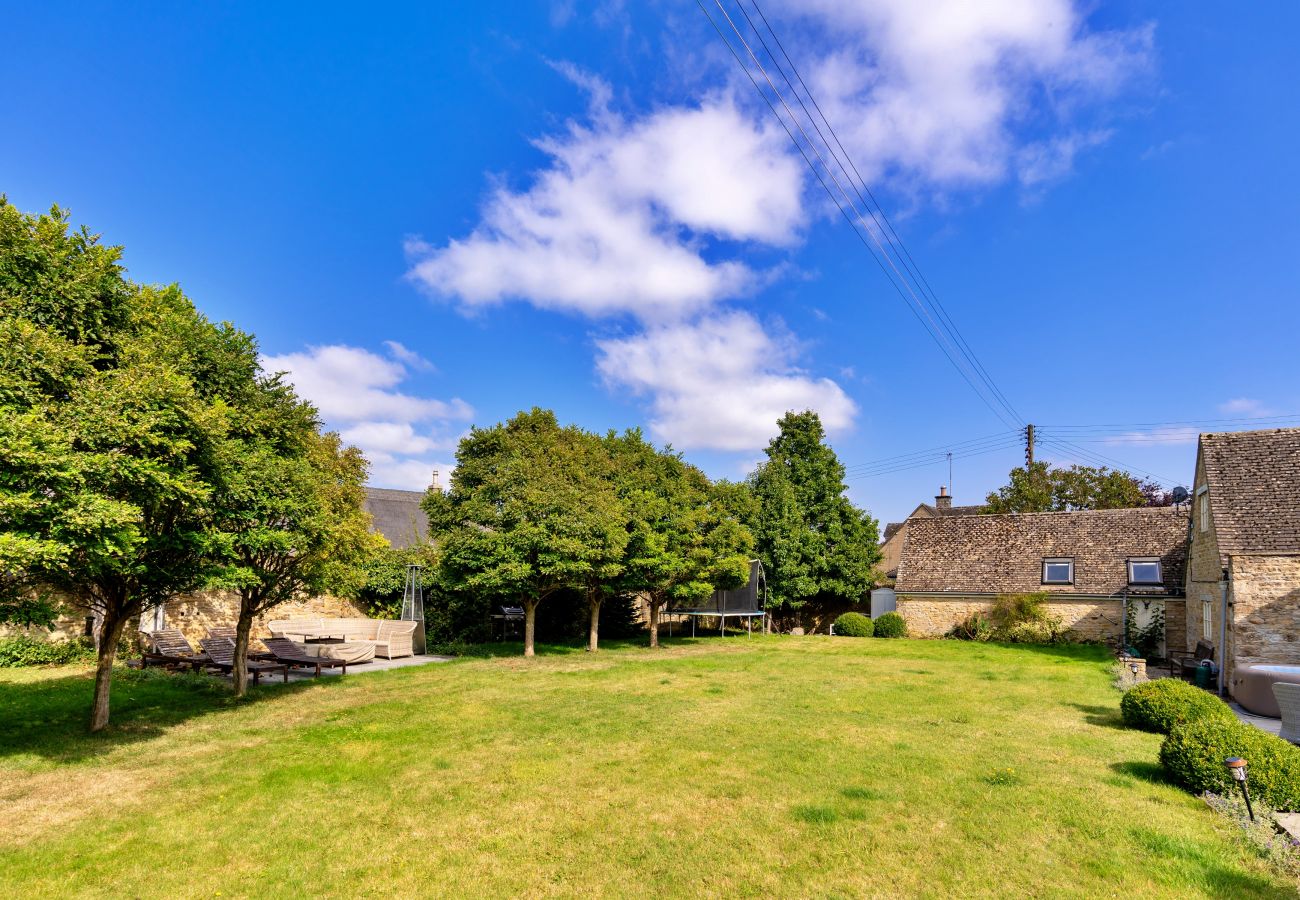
<point x="944" y="448"/>
<point x="882" y="221"/>
<point x="917" y="305"/>
<point x="938" y="459"/>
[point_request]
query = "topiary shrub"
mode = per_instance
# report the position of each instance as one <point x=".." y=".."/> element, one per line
<point x="1164" y="703"/>
<point x="1193" y="755"/>
<point x="853" y="624"/>
<point x="890" y="625"/>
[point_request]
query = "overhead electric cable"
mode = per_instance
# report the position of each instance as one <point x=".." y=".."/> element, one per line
<point x="917" y="305"/>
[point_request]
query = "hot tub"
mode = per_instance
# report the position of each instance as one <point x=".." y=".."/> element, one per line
<point x="1252" y="687"/>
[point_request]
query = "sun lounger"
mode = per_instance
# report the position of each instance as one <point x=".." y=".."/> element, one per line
<point x="286" y="651"/>
<point x="221" y="654"/>
<point x="171" y="649"/>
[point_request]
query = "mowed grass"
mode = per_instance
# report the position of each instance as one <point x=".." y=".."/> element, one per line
<point x="756" y="766"/>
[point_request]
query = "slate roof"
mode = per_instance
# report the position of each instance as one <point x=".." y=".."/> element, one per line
<point x="990" y="554"/>
<point x="397" y="515"/>
<point x="1254" y="479"/>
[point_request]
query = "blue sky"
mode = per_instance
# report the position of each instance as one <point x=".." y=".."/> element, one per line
<point x="437" y="214"/>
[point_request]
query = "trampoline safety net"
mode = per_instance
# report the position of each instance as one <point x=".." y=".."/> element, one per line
<point x="748" y="599"/>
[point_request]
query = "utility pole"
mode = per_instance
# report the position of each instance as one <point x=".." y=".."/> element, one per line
<point x="1029" y="447"/>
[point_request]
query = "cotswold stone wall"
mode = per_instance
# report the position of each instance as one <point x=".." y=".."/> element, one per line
<point x="1093" y="620"/>
<point x="1175" y="626"/>
<point x="1265" y="613"/>
<point x="194" y="614"/>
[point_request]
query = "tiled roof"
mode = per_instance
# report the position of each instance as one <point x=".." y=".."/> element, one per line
<point x="891" y="529"/>
<point x="1254" y="479"/>
<point x="953" y="510"/>
<point x="397" y="515"/>
<point x="1004" y="553"/>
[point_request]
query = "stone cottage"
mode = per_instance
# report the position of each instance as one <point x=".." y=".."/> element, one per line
<point x="1245" y="548"/>
<point x="891" y="550"/>
<point x="1090" y="561"/>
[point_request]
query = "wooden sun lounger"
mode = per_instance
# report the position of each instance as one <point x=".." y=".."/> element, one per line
<point x="171" y="649"/>
<point x="221" y="653"/>
<point x="289" y="653"/>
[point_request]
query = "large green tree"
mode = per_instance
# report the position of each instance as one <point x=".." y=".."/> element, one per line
<point x="814" y="543"/>
<point x="531" y="511"/>
<point x="122" y="396"/>
<point x="684" y="539"/>
<point x="1044" y="488"/>
<point x="288" y="513"/>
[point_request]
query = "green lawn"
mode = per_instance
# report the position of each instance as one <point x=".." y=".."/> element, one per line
<point x="747" y="766"/>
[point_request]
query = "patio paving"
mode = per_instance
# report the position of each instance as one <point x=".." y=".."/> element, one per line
<point x="379" y="664"/>
<point x="1263" y="723"/>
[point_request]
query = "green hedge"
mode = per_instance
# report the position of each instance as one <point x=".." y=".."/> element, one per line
<point x="1161" y="704"/>
<point x="853" y="624"/>
<point x="21" y="650"/>
<point x="890" y="625"/>
<point x="1193" y="755"/>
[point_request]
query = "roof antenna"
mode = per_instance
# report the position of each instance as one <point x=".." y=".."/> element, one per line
<point x="951" y="492"/>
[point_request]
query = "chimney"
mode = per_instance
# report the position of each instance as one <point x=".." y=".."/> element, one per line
<point x="942" y="500"/>
<point x="434" y="485"/>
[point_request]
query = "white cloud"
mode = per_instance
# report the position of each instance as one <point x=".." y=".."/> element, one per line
<point x="619" y="220"/>
<point x="1156" y="437"/>
<point x="400" y="353"/>
<point x="1245" y="408"/>
<point x="357" y="392"/>
<point x="940" y="93"/>
<point x="1046" y="161"/>
<point x="719" y="383"/>
<point x="350" y="384"/>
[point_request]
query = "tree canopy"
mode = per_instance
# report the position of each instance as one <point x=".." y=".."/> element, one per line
<point x="814" y="543"/>
<point x="1044" y="488"/>
<point x="532" y="510"/>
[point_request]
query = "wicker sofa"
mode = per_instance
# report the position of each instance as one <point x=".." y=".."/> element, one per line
<point x="390" y="638"/>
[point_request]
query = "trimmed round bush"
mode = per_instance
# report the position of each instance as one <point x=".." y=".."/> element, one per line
<point x="853" y="624"/>
<point x="1193" y="755"/>
<point x="890" y="625"/>
<point x="1161" y="704"/>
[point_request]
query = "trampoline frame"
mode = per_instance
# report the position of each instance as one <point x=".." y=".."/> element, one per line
<point x="720" y="610"/>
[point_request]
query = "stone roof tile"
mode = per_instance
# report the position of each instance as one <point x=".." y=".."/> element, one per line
<point x="1254" y="479"/>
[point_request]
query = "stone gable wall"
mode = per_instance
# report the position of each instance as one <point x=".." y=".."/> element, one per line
<point x="1265" y="611"/>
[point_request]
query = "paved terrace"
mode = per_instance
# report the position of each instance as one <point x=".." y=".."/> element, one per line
<point x="379" y="664"/>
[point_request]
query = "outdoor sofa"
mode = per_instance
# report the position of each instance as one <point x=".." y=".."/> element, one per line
<point x="390" y="638"/>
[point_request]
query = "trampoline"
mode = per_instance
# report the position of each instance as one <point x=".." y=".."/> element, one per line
<point x="745" y="602"/>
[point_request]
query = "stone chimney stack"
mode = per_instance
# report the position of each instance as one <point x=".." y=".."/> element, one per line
<point x="942" y="500"/>
<point x="434" y="485"/>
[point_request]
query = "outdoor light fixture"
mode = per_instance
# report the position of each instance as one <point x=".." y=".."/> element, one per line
<point x="1133" y="667"/>
<point x="1237" y="766"/>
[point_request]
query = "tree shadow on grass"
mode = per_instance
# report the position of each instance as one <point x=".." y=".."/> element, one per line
<point x="508" y="649"/>
<point x="1143" y="771"/>
<point x="1104" y="716"/>
<point x="47" y="717"/>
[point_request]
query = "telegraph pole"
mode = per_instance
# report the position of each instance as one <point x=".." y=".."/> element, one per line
<point x="1029" y="447"/>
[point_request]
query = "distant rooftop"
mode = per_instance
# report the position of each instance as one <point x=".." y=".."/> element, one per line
<point x="397" y="516"/>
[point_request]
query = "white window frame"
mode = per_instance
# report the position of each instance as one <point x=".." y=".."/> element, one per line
<point x="1207" y="620"/>
<point x="1203" y="511"/>
<point x="1057" y="561"/>
<point x="1146" y="560"/>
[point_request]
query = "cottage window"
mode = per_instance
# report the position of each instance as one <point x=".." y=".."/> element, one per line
<point x="1145" y="571"/>
<point x="1058" y="571"/>
<point x="1207" y="620"/>
<point x="1204" y="515"/>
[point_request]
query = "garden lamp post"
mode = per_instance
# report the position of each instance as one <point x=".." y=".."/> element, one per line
<point x="1133" y="667"/>
<point x="1237" y="766"/>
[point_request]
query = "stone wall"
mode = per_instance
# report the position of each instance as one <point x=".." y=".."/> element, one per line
<point x="1204" y="570"/>
<point x="1265" y="611"/>
<point x="195" y="613"/>
<point x="1175" y="626"/>
<point x="1093" y="620"/>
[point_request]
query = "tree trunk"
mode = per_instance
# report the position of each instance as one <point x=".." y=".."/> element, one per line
<point x="530" y="626"/>
<point x="654" y="623"/>
<point x="242" y="630"/>
<point x="593" y="633"/>
<point x="108" y="635"/>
